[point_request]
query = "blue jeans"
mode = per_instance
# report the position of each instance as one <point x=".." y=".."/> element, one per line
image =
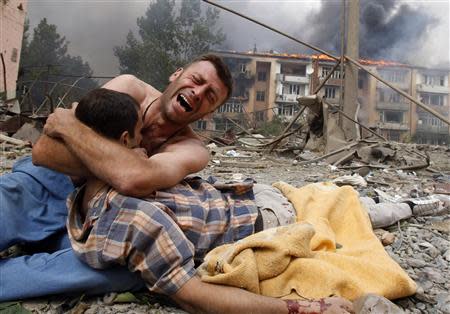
<point x="33" y="212"/>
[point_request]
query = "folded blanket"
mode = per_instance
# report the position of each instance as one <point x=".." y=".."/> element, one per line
<point x="331" y="250"/>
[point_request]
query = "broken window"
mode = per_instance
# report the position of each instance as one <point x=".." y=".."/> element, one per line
<point x="291" y="69"/>
<point x="392" y="116"/>
<point x="262" y="76"/>
<point x="394" y="135"/>
<point x="243" y="68"/>
<point x="260" y="96"/>
<point x="330" y="92"/>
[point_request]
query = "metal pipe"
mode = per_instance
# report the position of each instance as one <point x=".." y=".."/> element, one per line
<point x="274" y="30"/>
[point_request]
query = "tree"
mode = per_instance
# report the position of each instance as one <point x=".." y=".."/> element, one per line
<point x="45" y="59"/>
<point x="170" y="36"/>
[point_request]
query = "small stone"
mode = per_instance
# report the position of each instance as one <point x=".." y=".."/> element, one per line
<point x="446" y="255"/>
<point x="387" y="238"/>
<point x="417" y="263"/>
<point x="443" y="302"/>
<point x="371" y="303"/>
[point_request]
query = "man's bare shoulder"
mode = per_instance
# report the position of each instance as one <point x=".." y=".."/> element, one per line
<point x="136" y="88"/>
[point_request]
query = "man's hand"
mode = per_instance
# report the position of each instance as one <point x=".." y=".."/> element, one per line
<point x="59" y="121"/>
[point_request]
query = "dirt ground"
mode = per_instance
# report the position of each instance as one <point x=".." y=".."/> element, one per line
<point x="421" y="244"/>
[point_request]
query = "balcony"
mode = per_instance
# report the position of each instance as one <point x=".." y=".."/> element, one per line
<point x="393" y="106"/>
<point x="393" y="126"/>
<point x="287" y="98"/>
<point x="433" y="89"/>
<point x="436" y="129"/>
<point x="292" y="78"/>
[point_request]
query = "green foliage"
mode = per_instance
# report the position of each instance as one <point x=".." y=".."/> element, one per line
<point x="45" y="58"/>
<point x="170" y="35"/>
<point x="273" y="127"/>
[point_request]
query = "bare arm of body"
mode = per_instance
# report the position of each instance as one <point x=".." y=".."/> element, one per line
<point x="201" y="297"/>
<point x="54" y="154"/>
<point x="122" y="168"/>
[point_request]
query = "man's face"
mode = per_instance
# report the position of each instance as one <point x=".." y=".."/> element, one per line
<point x="192" y="93"/>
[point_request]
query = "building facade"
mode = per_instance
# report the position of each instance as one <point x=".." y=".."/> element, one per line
<point x="266" y="85"/>
<point x="12" y="19"/>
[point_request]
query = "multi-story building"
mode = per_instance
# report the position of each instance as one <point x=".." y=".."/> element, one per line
<point x="432" y="89"/>
<point x="12" y="17"/>
<point x="268" y="85"/>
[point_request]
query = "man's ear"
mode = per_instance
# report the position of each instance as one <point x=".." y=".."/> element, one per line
<point x="125" y="138"/>
<point x="176" y="74"/>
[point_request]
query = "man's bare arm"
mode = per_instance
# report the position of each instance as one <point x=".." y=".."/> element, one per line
<point x="53" y="153"/>
<point x="122" y="168"/>
<point x="201" y="297"/>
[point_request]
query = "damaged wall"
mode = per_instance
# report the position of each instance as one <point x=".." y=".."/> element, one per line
<point x="12" y="19"/>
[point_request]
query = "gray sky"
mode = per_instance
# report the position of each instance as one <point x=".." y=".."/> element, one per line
<point x="94" y="27"/>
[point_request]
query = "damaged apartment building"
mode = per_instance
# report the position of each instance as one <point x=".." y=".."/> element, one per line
<point x="267" y="85"/>
<point x="12" y="17"/>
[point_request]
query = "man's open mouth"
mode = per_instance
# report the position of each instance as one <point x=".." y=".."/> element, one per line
<point x="184" y="103"/>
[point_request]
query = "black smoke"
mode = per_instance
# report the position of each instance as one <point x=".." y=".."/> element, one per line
<point x="389" y="29"/>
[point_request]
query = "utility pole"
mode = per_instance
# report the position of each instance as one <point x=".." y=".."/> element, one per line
<point x="351" y="71"/>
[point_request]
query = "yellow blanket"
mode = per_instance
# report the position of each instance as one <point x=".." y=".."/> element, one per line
<point x="331" y="250"/>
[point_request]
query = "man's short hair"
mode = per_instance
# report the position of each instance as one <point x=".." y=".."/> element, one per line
<point x="108" y="112"/>
<point x="221" y="68"/>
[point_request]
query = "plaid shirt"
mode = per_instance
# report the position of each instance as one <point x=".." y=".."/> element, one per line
<point x="161" y="235"/>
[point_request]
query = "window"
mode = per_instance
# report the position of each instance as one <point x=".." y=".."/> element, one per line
<point x="286" y="109"/>
<point x="295" y="89"/>
<point x="433" y="99"/>
<point x="381" y="95"/>
<point x="14" y="55"/>
<point x="262" y="76"/>
<point x="260" y="115"/>
<point x="260" y="96"/>
<point x="393" y="76"/>
<point x="201" y="125"/>
<point x="360" y="83"/>
<point x="391" y="116"/>
<point x="330" y="92"/>
<point x="336" y="74"/>
<point x="434" y="79"/>
<point x="293" y="69"/>
<point x="231" y="107"/>
<point x="242" y="68"/>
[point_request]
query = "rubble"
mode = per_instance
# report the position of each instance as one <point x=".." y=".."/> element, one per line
<point x="420" y="244"/>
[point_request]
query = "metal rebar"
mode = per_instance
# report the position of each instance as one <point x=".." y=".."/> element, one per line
<point x="243" y="129"/>
<point x="418" y="103"/>
<point x="274" y="30"/>
<point x="68" y="91"/>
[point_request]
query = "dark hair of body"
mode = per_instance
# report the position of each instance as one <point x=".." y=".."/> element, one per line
<point x="221" y="68"/>
<point x="108" y="112"/>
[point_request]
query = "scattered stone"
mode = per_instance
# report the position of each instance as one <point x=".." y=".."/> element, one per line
<point x="387" y="238"/>
<point x="372" y="303"/>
